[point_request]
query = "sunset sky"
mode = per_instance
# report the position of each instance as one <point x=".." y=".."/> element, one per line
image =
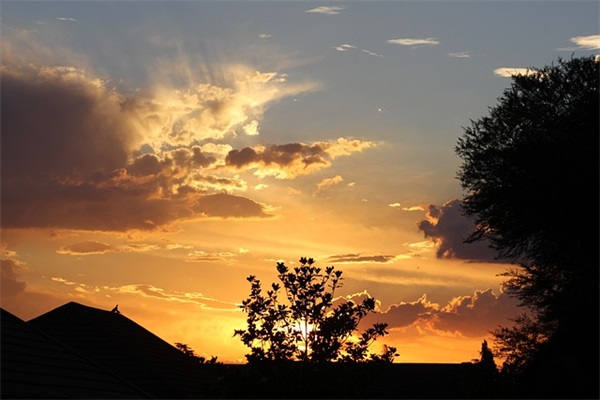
<point x="155" y="154"/>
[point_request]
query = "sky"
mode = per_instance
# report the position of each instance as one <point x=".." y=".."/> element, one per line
<point x="155" y="154"/>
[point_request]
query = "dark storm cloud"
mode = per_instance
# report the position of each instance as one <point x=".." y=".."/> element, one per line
<point x="68" y="161"/>
<point x="447" y="227"/>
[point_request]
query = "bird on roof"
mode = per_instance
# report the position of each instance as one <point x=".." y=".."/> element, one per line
<point x="116" y="310"/>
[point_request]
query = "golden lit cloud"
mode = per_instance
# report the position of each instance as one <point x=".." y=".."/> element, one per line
<point x="591" y="42"/>
<point x="90" y="247"/>
<point x="288" y="161"/>
<point x="508" y="72"/>
<point x="328" y="182"/>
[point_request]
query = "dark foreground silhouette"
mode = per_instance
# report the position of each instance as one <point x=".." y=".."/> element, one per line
<point x="75" y="351"/>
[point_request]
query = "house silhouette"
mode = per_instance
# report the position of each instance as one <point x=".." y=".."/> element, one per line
<point x="74" y="350"/>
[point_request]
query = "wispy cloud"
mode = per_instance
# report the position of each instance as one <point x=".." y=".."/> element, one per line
<point x="346" y="47"/>
<point x="69" y="19"/>
<point x="415" y="42"/>
<point x="327" y="10"/>
<point x="508" y="72"/>
<point x="328" y="182"/>
<point x="369" y="52"/>
<point x="590" y="42"/>
<point x="202" y="256"/>
<point x="360" y="259"/>
<point x="462" y="54"/>
<point x="264" y="35"/>
<point x="89" y="247"/>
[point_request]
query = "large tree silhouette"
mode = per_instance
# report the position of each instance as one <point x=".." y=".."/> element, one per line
<point x="530" y="172"/>
<point x="309" y="324"/>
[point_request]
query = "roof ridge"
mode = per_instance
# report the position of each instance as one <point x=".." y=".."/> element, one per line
<point x="78" y="354"/>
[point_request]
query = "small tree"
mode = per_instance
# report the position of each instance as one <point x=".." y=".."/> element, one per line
<point x="188" y="351"/>
<point x="307" y="326"/>
<point x="487" y="357"/>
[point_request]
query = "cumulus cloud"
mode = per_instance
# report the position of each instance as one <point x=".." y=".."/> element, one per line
<point x="78" y="154"/>
<point x="327" y="10"/>
<point x="415" y="42"/>
<point x="447" y="227"/>
<point x="293" y="159"/>
<point x="471" y="316"/>
<point x="235" y="103"/>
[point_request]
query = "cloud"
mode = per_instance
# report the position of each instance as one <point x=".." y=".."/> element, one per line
<point x="180" y="116"/>
<point x="508" y="72"/>
<point x="369" y="52"/>
<point x="69" y="19"/>
<point x="359" y="259"/>
<point x="264" y="35"/>
<point x="591" y="42"/>
<point x="447" y="227"/>
<point x="293" y="159"/>
<point x="327" y="10"/>
<point x="413" y="208"/>
<point x="344" y="47"/>
<point x="472" y="316"/>
<point x="347" y="47"/>
<point x="328" y="182"/>
<point x="77" y="154"/>
<point x="395" y="205"/>
<point x="415" y="42"/>
<point x="9" y="277"/>
<point x="150" y="291"/>
<point x="462" y="54"/>
<point x="201" y="256"/>
<point x="90" y="247"/>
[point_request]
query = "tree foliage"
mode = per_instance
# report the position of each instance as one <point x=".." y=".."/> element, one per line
<point x="309" y="324"/>
<point x="188" y="351"/>
<point x="530" y="172"/>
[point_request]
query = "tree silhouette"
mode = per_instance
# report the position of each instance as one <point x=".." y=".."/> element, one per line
<point x="525" y="166"/>
<point x="308" y="325"/>
<point x="188" y="351"/>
